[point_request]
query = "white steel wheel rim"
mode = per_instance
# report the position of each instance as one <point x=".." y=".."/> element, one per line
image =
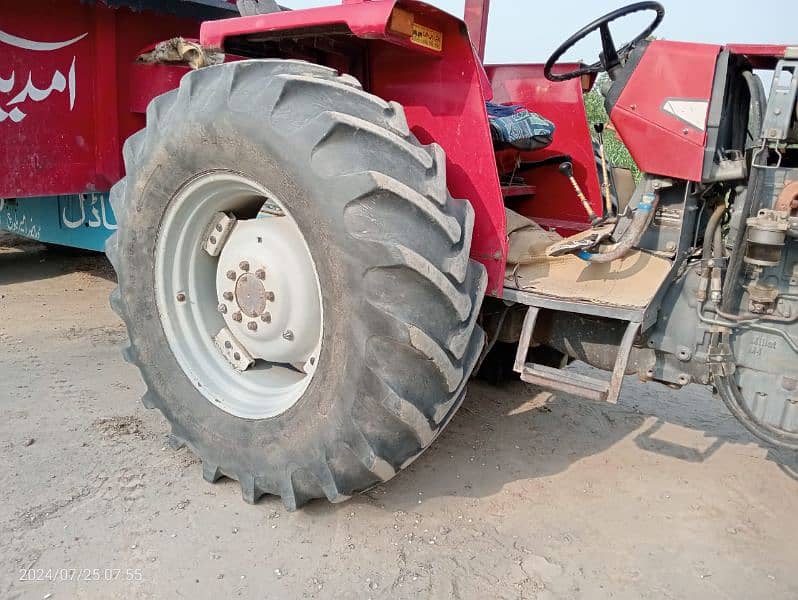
<point x="191" y="286"/>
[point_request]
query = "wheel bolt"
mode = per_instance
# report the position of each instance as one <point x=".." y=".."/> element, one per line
<point x="266" y="318"/>
<point x="231" y="275"/>
<point x="260" y="274"/>
<point x="270" y="296"/>
<point x="213" y="239"/>
<point x="223" y="309"/>
<point x="252" y="326"/>
<point x="228" y="296"/>
<point x="288" y="335"/>
<point x="237" y="317"/>
<point x="181" y="297"/>
<point x="244" y="266"/>
<point x="219" y="227"/>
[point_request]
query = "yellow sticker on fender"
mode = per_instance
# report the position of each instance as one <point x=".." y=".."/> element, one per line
<point x="429" y="38"/>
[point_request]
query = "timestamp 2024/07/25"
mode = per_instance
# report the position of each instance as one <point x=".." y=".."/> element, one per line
<point x="83" y="574"/>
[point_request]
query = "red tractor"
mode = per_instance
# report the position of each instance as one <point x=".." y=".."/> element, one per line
<point x="321" y="234"/>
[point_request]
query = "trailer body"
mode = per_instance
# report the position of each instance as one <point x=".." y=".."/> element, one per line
<point x="71" y="93"/>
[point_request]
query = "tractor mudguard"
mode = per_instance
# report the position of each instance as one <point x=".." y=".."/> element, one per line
<point x="421" y="57"/>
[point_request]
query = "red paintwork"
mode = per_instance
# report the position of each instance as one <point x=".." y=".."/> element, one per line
<point x="476" y="18"/>
<point x="55" y="150"/>
<point x="659" y="142"/>
<point x="761" y="56"/>
<point x="443" y="94"/>
<point x="150" y="81"/>
<point x="444" y="103"/>
<point x="366" y="19"/>
<point x="554" y="204"/>
<point x="519" y="191"/>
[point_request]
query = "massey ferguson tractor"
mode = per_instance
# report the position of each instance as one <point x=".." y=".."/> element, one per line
<point x="325" y="221"/>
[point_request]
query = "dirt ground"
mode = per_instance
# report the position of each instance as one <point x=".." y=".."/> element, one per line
<point x="525" y="495"/>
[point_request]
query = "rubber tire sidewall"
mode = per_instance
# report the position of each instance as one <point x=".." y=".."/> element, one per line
<point x="296" y="437"/>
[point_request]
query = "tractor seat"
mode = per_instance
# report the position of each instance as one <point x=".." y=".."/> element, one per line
<point x="629" y="282"/>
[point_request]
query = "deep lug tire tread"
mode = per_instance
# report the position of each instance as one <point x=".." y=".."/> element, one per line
<point x="422" y="288"/>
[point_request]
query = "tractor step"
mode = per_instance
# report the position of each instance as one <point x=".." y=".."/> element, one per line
<point x="565" y="381"/>
<point x="568" y="382"/>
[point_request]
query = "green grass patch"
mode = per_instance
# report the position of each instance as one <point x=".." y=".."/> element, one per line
<point x="616" y="151"/>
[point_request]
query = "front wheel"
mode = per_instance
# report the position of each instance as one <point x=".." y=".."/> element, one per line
<point x="295" y="279"/>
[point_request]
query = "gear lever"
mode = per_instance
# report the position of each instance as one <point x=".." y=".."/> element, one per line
<point x="567" y="169"/>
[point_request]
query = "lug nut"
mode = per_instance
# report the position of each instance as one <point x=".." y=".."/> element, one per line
<point x="228" y="296"/>
<point x="252" y="326"/>
<point x="288" y="335"/>
<point x="270" y="296"/>
<point x="228" y="345"/>
<point x="244" y="265"/>
<point x="223" y="309"/>
<point x="236" y="356"/>
<point x="237" y="317"/>
<point x="219" y="227"/>
<point x="181" y="297"/>
<point x="266" y="318"/>
<point x="260" y="274"/>
<point x="231" y="275"/>
<point x="213" y="239"/>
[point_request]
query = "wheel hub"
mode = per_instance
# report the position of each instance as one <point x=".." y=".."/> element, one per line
<point x="251" y="295"/>
<point x="267" y="291"/>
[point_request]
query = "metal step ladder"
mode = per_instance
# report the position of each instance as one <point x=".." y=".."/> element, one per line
<point x="573" y="383"/>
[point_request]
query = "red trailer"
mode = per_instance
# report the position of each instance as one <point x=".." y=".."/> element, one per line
<point x="71" y="93"/>
<point x="332" y="217"/>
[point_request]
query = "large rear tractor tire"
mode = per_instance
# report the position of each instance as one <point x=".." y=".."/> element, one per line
<point x="295" y="279"/>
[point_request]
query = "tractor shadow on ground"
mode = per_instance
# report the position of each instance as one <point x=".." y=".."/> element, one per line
<point x="23" y="260"/>
<point x="517" y="432"/>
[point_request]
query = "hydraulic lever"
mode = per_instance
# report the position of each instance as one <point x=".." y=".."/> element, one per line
<point x="599" y="127"/>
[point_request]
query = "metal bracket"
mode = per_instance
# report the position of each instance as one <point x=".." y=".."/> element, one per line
<point x="270" y="209"/>
<point x="621" y="313"/>
<point x="250" y="8"/>
<point x="526" y="338"/>
<point x="568" y="382"/>
<point x="624" y="351"/>
<point x="219" y="230"/>
<point x="715" y="263"/>
<point x="720" y="356"/>
<point x="233" y="351"/>
<point x="781" y="102"/>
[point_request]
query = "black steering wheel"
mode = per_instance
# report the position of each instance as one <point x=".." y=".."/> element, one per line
<point x="610" y="57"/>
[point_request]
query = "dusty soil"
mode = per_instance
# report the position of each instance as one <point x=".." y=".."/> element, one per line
<point x="524" y="496"/>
